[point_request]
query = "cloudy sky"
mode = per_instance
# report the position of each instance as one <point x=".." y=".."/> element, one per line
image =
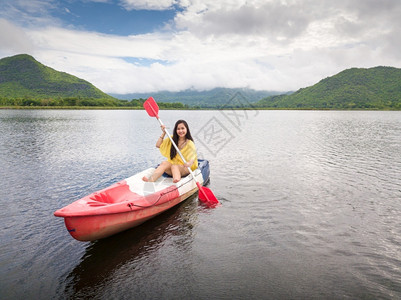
<point x="127" y="46"/>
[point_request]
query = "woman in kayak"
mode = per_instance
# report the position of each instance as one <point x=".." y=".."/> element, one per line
<point x="174" y="166"/>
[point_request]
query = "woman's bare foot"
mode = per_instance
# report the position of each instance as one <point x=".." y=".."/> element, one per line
<point x="146" y="179"/>
<point x="175" y="180"/>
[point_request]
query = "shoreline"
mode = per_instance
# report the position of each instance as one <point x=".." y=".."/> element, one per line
<point x="189" y="108"/>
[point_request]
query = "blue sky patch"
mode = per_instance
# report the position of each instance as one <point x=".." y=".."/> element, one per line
<point x="110" y="18"/>
<point x="145" y="62"/>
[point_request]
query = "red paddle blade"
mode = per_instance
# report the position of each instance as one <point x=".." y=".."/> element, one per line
<point x="207" y="197"/>
<point x="151" y="107"/>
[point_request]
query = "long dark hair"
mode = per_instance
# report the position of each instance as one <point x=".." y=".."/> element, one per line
<point x="188" y="136"/>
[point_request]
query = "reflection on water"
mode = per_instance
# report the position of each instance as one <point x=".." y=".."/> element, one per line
<point x="310" y="207"/>
<point x="132" y="250"/>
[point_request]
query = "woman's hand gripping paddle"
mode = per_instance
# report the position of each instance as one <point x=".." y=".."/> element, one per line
<point x="206" y="196"/>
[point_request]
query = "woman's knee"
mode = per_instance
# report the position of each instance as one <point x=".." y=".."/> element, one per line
<point x="178" y="169"/>
<point x="165" y="164"/>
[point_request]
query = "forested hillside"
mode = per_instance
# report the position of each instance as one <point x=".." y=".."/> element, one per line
<point x="374" y="88"/>
<point x="23" y="79"/>
<point x="26" y="82"/>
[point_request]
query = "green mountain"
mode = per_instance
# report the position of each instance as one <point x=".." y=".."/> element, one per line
<point x="216" y="97"/>
<point x="21" y="76"/>
<point x="373" y="88"/>
<point x="26" y="82"/>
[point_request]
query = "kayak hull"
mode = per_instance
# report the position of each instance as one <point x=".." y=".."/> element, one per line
<point x="127" y="204"/>
<point x="90" y="228"/>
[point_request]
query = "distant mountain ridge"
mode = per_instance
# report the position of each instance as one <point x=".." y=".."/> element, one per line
<point x="26" y="82"/>
<point x="22" y="76"/>
<point x="356" y="88"/>
<point x="210" y="98"/>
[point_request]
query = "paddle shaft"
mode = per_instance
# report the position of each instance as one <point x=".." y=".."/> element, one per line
<point x="206" y="194"/>
<point x="178" y="150"/>
<point x="175" y="146"/>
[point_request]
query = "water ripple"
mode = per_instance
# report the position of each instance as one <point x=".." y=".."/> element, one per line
<point x="310" y="204"/>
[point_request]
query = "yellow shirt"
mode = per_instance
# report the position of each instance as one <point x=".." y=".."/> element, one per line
<point x="189" y="152"/>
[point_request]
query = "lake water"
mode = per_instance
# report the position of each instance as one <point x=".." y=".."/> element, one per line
<point x="311" y="206"/>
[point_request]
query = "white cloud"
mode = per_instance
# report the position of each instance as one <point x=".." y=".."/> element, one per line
<point x="274" y="20"/>
<point x="29" y="12"/>
<point x="13" y="39"/>
<point x="96" y="44"/>
<point x="274" y="45"/>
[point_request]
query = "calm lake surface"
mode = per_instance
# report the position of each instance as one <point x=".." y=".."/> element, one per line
<point x="311" y="206"/>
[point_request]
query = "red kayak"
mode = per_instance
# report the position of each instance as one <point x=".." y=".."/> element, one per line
<point x="127" y="204"/>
